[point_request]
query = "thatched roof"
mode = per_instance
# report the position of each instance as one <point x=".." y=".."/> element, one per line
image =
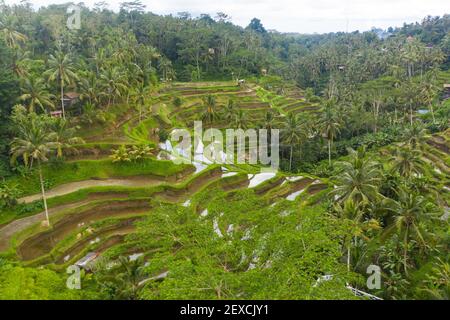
<point x="71" y="95"/>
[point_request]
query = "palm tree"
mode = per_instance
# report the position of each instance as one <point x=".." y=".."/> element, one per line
<point x="353" y="213"/>
<point x="34" y="142"/>
<point x="410" y="96"/>
<point x="409" y="211"/>
<point x="140" y="97"/>
<point x="35" y="93"/>
<point x="359" y="178"/>
<point x="230" y="111"/>
<point x="429" y="90"/>
<point x="329" y="124"/>
<point x="292" y="133"/>
<point x="210" y="113"/>
<point x="438" y="280"/>
<point x="126" y="279"/>
<point x="165" y="66"/>
<point x="406" y="162"/>
<point x="64" y="136"/>
<point x="21" y="63"/>
<point x="240" y="120"/>
<point x="99" y="60"/>
<point x="114" y="81"/>
<point x="89" y="88"/>
<point x="269" y="121"/>
<point x="415" y="135"/>
<point x="11" y="37"/>
<point x="62" y="70"/>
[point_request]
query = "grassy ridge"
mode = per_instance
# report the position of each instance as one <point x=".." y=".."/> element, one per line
<point x="59" y="173"/>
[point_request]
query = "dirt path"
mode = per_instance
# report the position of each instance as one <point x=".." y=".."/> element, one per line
<point x="139" y="181"/>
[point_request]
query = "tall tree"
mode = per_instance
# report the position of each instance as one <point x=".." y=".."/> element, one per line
<point x="329" y="124"/>
<point x="61" y="69"/>
<point x="34" y="142"/>
<point x="292" y="134"/>
<point x="35" y="94"/>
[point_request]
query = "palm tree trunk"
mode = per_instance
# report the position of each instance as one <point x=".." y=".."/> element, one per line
<point x="44" y="199"/>
<point x="432" y="113"/>
<point x="405" y="252"/>
<point x="329" y="152"/>
<point x="62" y="99"/>
<point x="348" y="258"/>
<point x="410" y="114"/>
<point x="290" y="159"/>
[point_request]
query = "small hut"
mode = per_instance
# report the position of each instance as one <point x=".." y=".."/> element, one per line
<point x="56" y="114"/>
<point x="70" y="100"/>
<point x="446" y="91"/>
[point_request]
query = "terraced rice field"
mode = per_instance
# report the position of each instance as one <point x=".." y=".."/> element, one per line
<point x="98" y="215"/>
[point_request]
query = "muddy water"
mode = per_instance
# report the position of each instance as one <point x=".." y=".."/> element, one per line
<point x="315" y="188"/>
<point x="441" y="146"/>
<point x="8" y="230"/>
<point x="296" y="186"/>
<point x="176" y="195"/>
<point x="42" y="243"/>
<point x="269" y="186"/>
<point x="116" y="232"/>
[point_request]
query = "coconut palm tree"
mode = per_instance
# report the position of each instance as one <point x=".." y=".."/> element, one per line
<point x="292" y="133"/>
<point x="21" y="63"/>
<point x="438" y="279"/>
<point x="165" y="66"/>
<point x="407" y="162"/>
<point x="415" y="135"/>
<point x="64" y="136"/>
<point x="409" y="211"/>
<point x="35" y="94"/>
<point x="429" y="90"/>
<point x="140" y="97"/>
<point x="229" y="112"/>
<point x="329" y="125"/>
<point x="126" y="278"/>
<point x="268" y="121"/>
<point x="61" y="69"/>
<point x="114" y="81"/>
<point x="240" y="120"/>
<point x="210" y="113"/>
<point x="90" y="89"/>
<point x="34" y="142"/>
<point x="358" y="179"/>
<point x="352" y="215"/>
<point x="99" y="60"/>
<point x="11" y="36"/>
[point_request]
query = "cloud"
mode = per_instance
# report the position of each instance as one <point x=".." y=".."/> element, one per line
<point x="304" y="16"/>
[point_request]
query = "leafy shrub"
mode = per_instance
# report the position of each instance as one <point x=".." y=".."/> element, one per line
<point x="30" y="207"/>
<point x="177" y="102"/>
<point x="8" y="195"/>
<point x="133" y="153"/>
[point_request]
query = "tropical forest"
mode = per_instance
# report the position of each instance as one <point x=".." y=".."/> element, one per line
<point x="95" y="206"/>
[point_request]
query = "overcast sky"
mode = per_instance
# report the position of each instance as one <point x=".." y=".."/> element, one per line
<point x="304" y="16"/>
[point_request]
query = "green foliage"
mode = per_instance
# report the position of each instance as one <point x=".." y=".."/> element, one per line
<point x="8" y="195"/>
<point x="238" y="262"/>
<point x="19" y="283"/>
<point x="133" y="153"/>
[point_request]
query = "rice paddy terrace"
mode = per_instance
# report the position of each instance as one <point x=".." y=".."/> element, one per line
<point x="95" y="208"/>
